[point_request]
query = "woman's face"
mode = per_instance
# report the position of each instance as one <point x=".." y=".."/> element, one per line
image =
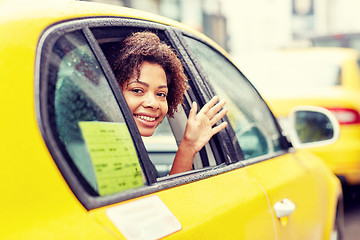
<point x="146" y="97"/>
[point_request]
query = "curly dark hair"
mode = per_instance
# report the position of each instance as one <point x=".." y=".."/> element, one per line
<point x="146" y="46"/>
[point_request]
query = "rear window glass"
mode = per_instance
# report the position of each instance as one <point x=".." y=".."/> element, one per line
<point x="88" y="120"/>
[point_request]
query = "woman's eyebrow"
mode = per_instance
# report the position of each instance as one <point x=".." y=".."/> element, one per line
<point x="146" y="84"/>
<point x="137" y="81"/>
<point x="163" y="86"/>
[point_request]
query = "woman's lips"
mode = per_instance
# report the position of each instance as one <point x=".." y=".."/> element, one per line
<point x="145" y="120"/>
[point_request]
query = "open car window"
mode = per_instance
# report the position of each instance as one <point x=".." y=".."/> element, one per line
<point x="162" y="146"/>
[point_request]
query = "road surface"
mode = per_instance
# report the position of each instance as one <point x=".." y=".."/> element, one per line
<point x="352" y="212"/>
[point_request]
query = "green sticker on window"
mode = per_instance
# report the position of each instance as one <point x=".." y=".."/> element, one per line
<point x="113" y="156"/>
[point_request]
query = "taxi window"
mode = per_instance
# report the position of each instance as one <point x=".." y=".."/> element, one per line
<point x="88" y="120"/>
<point x="163" y="144"/>
<point x="253" y="123"/>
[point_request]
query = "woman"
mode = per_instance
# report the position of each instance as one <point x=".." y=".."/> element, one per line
<point x="153" y="82"/>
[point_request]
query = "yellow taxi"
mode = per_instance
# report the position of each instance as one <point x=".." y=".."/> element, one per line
<point x="74" y="165"/>
<point x="322" y="76"/>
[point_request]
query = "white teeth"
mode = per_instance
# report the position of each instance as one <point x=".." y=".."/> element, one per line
<point x="146" y="118"/>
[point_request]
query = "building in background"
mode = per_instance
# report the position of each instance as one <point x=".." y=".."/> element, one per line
<point x="203" y="15"/>
<point x="261" y="25"/>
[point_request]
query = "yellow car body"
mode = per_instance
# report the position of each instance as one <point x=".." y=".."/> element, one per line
<point x="321" y="76"/>
<point x="43" y="198"/>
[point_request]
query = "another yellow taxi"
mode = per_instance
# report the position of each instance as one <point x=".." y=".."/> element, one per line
<point x="73" y="165"/>
<point x="321" y="76"/>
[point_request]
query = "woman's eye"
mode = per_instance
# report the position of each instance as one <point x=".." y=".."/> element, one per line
<point x="162" y="95"/>
<point x="137" y="90"/>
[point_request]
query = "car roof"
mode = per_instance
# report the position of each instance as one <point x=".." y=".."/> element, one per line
<point x="69" y="9"/>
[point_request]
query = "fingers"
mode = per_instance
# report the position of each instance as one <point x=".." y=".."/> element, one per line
<point x="219" y="128"/>
<point x="218" y="116"/>
<point x="210" y="110"/>
<point x="205" y="109"/>
<point x="216" y="109"/>
<point x="193" y="110"/>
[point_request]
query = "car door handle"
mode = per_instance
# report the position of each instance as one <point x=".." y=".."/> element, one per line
<point x="284" y="208"/>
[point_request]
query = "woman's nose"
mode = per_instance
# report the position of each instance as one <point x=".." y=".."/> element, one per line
<point x="150" y="101"/>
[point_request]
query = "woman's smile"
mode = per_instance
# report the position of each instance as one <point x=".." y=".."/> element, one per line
<point x="145" y="121"/>
<point x="145" y="118"/>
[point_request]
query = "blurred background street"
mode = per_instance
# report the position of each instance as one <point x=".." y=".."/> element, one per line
<point x="241" y="26"/>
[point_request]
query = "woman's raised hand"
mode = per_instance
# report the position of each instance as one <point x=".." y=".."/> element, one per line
<point x="199" y="128"/>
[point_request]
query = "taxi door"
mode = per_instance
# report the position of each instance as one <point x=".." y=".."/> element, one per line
<point x="300" y="191"/>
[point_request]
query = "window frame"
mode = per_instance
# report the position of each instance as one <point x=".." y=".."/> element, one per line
<point x="77" y="184"/>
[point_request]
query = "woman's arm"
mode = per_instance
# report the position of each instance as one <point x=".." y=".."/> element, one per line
<point x="199" y="129"/>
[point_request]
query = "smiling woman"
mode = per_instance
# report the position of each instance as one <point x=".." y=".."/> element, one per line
<point x="146" y="46"/>
<point x="146" y="97"/>
<point x="153" y="82"/>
